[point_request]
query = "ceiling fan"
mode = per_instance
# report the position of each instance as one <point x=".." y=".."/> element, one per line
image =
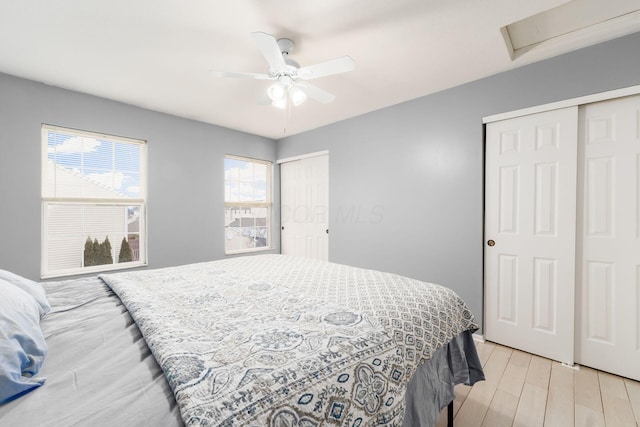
<point x="291" y="79"/>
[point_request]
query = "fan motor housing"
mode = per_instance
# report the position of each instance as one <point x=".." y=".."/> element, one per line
<point x="286" y="46"/>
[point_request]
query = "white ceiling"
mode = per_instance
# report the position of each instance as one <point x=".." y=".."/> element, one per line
<point x="158" y="54"/>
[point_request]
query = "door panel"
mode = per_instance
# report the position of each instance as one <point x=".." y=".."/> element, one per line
<point x="508" y="289"/>
<point x="544" y="291"/>
<point x="509" y="199"/>
<point x="558" y="237"/>
<point x="608" y="237"/>
<point x="530" y="203"/>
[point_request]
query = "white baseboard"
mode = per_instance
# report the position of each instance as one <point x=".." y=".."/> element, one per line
<point x="574" y="366"/>
<point x="478" y="337"/>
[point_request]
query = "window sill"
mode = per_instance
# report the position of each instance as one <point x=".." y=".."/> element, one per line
<point x="93" y="270"/>
<point x="248" y="251"/>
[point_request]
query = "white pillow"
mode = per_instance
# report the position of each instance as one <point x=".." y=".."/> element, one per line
<point x="22" y="344"/>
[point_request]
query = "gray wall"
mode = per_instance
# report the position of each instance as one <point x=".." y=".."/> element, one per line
<point x="406" y="182"/>
<point x="186" y="172"/>
<point x="406" y="192"/>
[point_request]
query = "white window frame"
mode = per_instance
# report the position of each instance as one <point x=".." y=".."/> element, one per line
<point x="48" y="201"/>
<point x="268" y="204"/>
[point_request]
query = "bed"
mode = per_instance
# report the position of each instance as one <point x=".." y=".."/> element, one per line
<point x="257" y="340"/>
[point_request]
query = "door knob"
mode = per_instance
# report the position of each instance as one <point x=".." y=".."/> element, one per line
<point x="491" y="242"/>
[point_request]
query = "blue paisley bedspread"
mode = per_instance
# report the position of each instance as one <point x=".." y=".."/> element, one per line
<point x="272" y="340"/>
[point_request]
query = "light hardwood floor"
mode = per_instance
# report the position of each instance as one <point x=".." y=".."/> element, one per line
<point x="527" y="390"/>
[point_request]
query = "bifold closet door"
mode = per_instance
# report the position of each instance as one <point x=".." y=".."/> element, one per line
<point x="304" y="207"/>
<point x="609" y="237"/>
<point x="530" y="229"/>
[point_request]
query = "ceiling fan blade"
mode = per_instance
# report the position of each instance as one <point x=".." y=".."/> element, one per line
<point x="327" y="68"/>
<point x="270" y="50"/>
<point x="316" y="93"/>
<point x="241" y="75"/>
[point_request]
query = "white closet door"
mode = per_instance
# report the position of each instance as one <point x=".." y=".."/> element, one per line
<point x="304" y="207"/>
<point x="530" y="208"/>
<point x="609" y="237"/>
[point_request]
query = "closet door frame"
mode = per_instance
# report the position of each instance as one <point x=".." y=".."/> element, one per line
<point x="575" y="102"/>
<point x="588" y="99"/>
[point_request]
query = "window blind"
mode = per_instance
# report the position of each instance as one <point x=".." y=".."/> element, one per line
<point x="92" y="166"/>
<point x="94" y="202"/>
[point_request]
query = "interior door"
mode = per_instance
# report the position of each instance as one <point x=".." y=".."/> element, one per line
<point x="609" y="237"/>
<point x="305" y="207"/>
<point x="530" y="211"/>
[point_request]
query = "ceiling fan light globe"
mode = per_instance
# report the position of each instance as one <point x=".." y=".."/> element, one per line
<point x="280" y="103"/>
<point x="277" y="92"/>
<point x="297" y="95"/>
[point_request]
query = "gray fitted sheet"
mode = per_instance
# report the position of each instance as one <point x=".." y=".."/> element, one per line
<point x="99" y="370"/>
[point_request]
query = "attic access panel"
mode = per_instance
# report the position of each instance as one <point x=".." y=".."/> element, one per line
<point x="572" y="25"/>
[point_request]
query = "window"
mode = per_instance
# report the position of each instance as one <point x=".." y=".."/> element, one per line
<point x="93" y="202"/>
<point x="247" y="203"/>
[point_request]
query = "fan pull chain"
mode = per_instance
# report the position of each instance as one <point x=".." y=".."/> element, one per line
<point x="286" y="115"/>
<point x="284" y="119"/>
